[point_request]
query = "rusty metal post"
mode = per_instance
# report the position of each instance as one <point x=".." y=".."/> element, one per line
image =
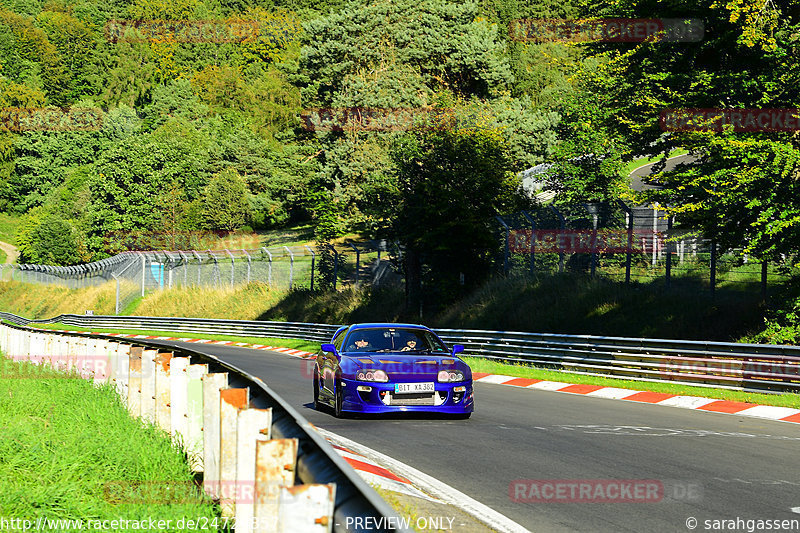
<point x="230" y="402"/>
<point x="253" y="426"/>
<point x="135" y="381"/>
<point x="163" y="392"/>
<point x="121" y="370"/>
<point x="307" y="508"/>
<point x="194" y="429"/>
<point x="149" y="385"/>
<point x="275" y="467"/>
<point x="212" y="384"/>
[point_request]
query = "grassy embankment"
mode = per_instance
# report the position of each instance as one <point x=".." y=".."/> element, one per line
<point x="70" y="450"/>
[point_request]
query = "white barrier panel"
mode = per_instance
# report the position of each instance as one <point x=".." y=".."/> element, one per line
<point x="252" y="426"/>
<point x="178" y="380"/>
<point x="194" y="430"/>
<point x="135" y="381"/>
<point x="149" y="385"/>
<point x="231" y="401"/>
<point x="163" y="391"/>
<point x="275" y="467"/>
<point x="307" y="508"/>
<point x="212" y="384"/>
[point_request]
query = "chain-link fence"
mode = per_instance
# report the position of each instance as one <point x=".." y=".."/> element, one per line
<point x="625" y="243"/>
<point x="285" y="267"/>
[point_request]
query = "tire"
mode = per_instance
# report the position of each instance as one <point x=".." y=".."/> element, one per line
<point x="337" y="402"/>
<point x="317" y="403"/>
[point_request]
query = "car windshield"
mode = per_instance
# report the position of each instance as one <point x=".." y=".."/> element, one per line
<point x="394" y="340"/>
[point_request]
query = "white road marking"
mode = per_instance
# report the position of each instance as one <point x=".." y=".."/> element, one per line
<point x="432" y="486"/>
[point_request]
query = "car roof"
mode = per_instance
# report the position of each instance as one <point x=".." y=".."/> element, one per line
<point x="372" y="325"/>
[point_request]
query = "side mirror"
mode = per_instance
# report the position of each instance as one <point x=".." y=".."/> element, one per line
<point x="330" y="348"/>
<point x="458" y="348"/>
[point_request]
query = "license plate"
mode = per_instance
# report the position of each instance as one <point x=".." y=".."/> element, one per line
<point x="401" y="388"/>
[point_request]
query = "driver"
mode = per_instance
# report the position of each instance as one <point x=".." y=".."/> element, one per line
<point x="411" y="344"/>
<point x="361" y="344"/>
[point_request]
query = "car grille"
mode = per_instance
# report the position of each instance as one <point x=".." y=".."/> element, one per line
<point x="413" y="399"/>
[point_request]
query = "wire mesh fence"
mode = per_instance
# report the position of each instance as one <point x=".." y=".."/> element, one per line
<point x="136" y="273"/>
<point x="621" y="242"/>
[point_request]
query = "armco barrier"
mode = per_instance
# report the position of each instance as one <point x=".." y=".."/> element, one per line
<point x="264" y="463"/>
<point x="756" y="367"/>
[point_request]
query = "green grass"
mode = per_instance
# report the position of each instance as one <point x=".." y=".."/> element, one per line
<point x="8" y="227"/>
<point x="478" y="364"/>
<point x="70" y="450"/>
<point x="295" y="344"/>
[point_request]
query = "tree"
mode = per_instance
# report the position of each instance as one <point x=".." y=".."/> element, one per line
<point x="451" y="185"/>
<point x="225" y="203"/>
<point x="48" y="239"/>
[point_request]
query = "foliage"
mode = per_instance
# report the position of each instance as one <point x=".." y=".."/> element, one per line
<point x="225" y="203"/>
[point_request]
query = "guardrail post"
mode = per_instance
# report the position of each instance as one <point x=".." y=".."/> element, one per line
<point x="275" y="467"/>
<point x="230" y="402"/>
<point x="135" y="381"/>
<point x="149" y="385"/>
<point x="252" y="426"/>
<point x="194" y="431"/>
<point x="163" y="390"/>
<point x="178" y="382"/>
<point x="121" y="371"/>
<point x="307" y="508"/>
<point x="212" y="384"/>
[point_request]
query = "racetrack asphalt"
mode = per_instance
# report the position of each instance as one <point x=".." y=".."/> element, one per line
<point x="711" y="466"/>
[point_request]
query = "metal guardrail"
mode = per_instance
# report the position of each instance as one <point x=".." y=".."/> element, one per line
<point x="316" y="461"/>
<point x="752" y="367"/>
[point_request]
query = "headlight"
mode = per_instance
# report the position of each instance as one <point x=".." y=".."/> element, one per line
<point x="448" y="376"/>
<point x="372" y="375"/>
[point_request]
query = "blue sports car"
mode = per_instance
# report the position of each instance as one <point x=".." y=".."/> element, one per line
<point x="384" y="368"/>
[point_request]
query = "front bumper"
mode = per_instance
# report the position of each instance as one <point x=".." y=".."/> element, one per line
<point x="448" y="398"/>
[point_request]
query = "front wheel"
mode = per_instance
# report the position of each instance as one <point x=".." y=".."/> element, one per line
<point x="317" y="403"/>
<point x="338" y="401"/>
